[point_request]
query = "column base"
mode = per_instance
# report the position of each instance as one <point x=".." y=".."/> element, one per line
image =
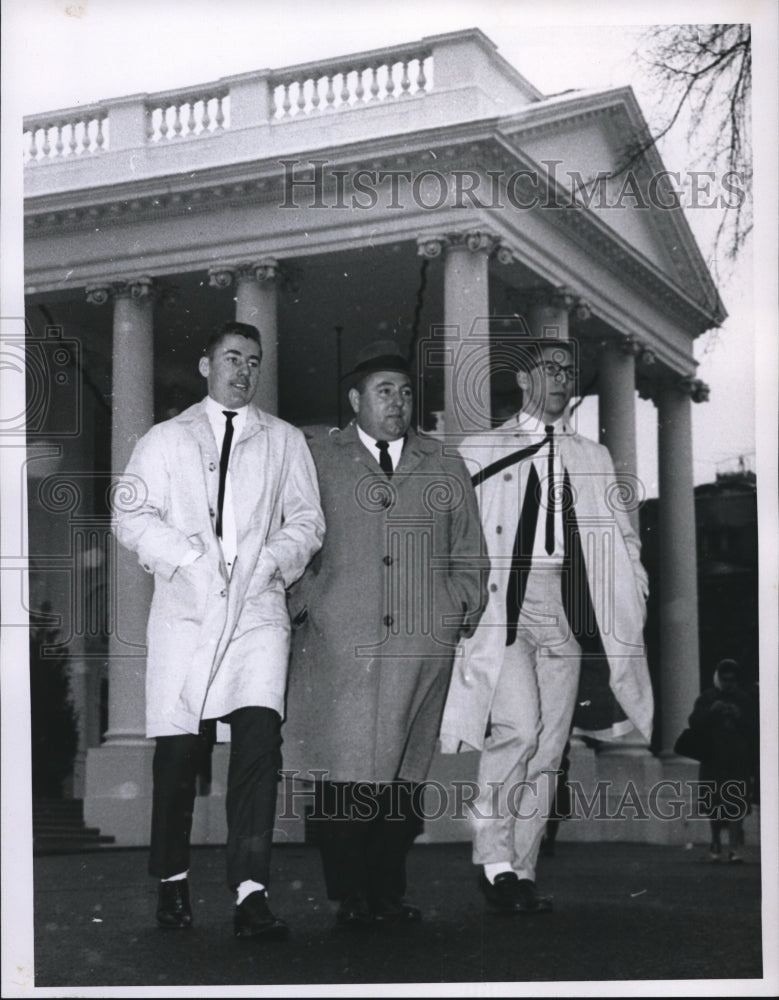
<point x="622" y="793"/>
<point x="118" y="798"/>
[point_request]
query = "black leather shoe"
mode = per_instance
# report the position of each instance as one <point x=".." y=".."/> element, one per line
<point x="173" y="909"/>
<point x="393" y="910"/>
<point x="355" y="912"/>
<point x="510" y="894"/>
<point x="253" y="918"/>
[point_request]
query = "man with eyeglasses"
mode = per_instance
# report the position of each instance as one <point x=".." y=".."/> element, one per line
<point x="561" y="641"/>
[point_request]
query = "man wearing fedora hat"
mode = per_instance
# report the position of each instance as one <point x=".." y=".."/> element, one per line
<point x="379" y="613"/>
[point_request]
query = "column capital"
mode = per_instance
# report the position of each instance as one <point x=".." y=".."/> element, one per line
<point x="678" y="386"/>
<point x="432" y="245"/>
<point x="695" y="388"/>
<point x="142" y="287"/>
<point x="631" y="346"/>
<point x="562" y="297"/>
<point x="223" y="275"/>
<point x="475" y="240"/>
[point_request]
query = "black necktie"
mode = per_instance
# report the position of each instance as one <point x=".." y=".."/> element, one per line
<point x="223" y="461"/>
<point x="384" y="457"/>
<point x="550" y="492"/>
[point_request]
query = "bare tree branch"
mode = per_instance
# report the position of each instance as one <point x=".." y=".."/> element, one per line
<point x="705" y="72"/>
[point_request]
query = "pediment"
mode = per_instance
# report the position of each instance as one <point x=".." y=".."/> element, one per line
<point x="587" y="143"/>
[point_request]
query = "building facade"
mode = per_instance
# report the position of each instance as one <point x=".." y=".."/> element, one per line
<point x="426" y="192"/>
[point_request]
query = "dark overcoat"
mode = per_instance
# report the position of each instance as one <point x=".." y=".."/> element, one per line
<point x="380" y="610"/>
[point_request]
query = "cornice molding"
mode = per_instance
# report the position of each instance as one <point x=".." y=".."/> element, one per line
<point x="487" y="150"/>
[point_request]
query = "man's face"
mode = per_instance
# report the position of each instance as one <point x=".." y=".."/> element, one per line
<point x="234" y="370"/>
<point x="383" y="408"/>
<point x="547" y="388"/>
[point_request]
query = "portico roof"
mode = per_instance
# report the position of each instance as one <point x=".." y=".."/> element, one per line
<point x="155" y="162"/>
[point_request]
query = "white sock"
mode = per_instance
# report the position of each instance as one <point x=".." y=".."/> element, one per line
<point x="248" y="887"/>
<point x="496" y="868"/>
<point x="176" y="878"/>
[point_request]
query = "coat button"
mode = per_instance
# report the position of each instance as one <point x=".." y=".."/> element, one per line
<point x="211" y="512"/>
<point x="388" y="620"/>
<point x="223" y="593"/>
<point x="387" y="560"/>
<point x="211" y="467"/>
<point x="507" y="477"/>
<point x="499" y="529"/>
<point x="493" y="587"/>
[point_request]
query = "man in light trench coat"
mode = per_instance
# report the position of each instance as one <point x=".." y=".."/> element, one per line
<point x="561" y="638"/>
<point x="226" y="515"/>
<point x="380" y="610"/>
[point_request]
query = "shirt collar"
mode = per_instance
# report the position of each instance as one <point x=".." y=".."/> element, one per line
<point x="217" y="410"/>
<point x="370" y="442"/>
<point x="533" y="426"/>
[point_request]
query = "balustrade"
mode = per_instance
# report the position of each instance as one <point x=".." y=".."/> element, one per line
<point x="176" y="114"/>
<point x="47" y="137"/>
<point x="366" y="79"/>
<point x="331" y="86"/>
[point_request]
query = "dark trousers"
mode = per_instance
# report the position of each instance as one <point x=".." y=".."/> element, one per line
<point x="252" y="784"/>
<point x="364" y="831"/>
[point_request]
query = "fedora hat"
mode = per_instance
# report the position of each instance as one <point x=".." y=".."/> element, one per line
<point x="380" y="356"/>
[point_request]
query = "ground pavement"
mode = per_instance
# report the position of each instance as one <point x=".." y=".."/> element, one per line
<point x="623" y="912"/>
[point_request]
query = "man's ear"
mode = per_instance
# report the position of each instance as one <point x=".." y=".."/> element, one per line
<point x="204" y="366"/>
<point x="354" y="400"/>
<point x="523" y="380"/>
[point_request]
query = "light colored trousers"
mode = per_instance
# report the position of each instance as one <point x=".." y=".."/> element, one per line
<point x="530" y="722"/>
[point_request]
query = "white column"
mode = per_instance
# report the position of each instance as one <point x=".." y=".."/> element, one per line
<point x="118" y="773"/>
<point x="256" y="302"/>
<point x="132" y="406"/>
<point x="466" y="327"/>
<point x="617" y="431"/>
<point x="679" y="654"/>
<point x="617" y="416"/>
<point x="548" y="313"/>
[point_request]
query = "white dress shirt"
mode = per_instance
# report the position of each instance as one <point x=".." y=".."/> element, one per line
<point x="218" y="422"/>
<point x="395" y="447"/>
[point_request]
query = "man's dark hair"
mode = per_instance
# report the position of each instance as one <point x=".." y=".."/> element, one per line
<point x="529" y="355"/>
<point x="242" y="329"/>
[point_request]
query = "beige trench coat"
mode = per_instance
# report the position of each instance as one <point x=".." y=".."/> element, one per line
<point x="617" y="580"/>
<point x="215" y="645"/>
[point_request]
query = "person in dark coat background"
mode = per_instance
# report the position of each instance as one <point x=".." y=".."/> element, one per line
<point x="725" y="721"/>
<point x="380" y="611"/>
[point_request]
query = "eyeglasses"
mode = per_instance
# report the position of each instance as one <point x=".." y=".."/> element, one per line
<point x="555" y="371"/>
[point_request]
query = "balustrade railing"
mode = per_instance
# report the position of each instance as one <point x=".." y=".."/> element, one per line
<point x="370" y="78"/>
<point x="58" y="135"/>
<point x="178" y="114"/>
<point x="330" y="86"/>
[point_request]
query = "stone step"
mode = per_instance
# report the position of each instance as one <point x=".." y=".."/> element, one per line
<point x="58" y="827"/>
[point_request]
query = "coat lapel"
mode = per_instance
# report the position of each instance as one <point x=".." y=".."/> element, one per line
<point x="349" y="439"/>
<point x="247" y="480"/>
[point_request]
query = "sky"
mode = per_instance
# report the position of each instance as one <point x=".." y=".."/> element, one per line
<point x="74" y="53"/>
